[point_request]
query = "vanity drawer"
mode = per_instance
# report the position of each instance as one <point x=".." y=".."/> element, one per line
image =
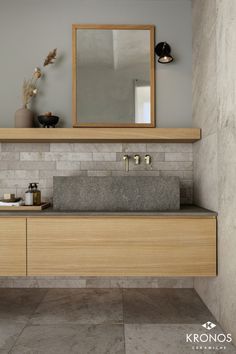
<point x="12" y="246"/>
<point x="122" y="246"/>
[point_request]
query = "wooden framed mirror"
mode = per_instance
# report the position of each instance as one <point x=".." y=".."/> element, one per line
<point x="113" y="75"/>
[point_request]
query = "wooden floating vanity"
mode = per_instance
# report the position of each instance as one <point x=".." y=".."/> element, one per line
<point x="165" y="135"/>
<point x="108" y="245"/>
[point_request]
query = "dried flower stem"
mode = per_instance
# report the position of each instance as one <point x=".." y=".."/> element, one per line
<point x="50" y="57"/>
<point x="29" y="89"/>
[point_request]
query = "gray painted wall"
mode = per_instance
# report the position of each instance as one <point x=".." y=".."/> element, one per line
<point x="30" y="28"/>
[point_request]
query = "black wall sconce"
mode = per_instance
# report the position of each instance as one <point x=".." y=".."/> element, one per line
<point x="163" y="51"/>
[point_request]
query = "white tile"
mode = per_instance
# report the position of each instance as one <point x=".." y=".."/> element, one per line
<point x="158" y="156"/>
<point x="25" y="147"/>
<point x="104" y="156"/>
<point x="68" y="165"/>
<point x="52" y="173"/>
<point x="7" y="174"/>
<point x="99" y="147"/>
<point x="169" y="147"/>
<point x="31" y="156"/>
<point x="173" y="166"/>
<point x="56" y="156"/>
<point x="9" y="156"/>
<point x="28" y="165"/>
<point x="178" y="156"/>
<point x="101" y="166"/>
<point x="134" y="147"/>
<point x="61" y="147"/>
<point x="14" y="183"/>
<point x="21" y="174"/>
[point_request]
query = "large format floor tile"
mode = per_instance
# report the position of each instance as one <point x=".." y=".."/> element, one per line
<point x="170" y="339"/>
<point x="69" y="339"/>
<point x="156" y="339"/>
<point x="82" y="321"/>
<point x="80" y="306"/>
<point x="9" y="332"/>
<point x="19" y="304"/>
<point x="164" y="306"/>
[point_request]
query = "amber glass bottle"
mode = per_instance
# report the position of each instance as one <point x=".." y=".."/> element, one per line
<point x="36" y="194"/>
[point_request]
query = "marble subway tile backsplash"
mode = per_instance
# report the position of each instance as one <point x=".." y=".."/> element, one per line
<point x="21" y="163"/>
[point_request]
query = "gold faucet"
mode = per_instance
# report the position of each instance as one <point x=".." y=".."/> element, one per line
<point x="126" y="161"/>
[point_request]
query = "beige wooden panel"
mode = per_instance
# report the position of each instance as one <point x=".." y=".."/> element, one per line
<point x="122" y="246"/>
<point x="12" y="246"/>
<point x="166" y="135"/>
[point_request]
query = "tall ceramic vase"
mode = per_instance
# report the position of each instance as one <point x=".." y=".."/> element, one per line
<point x="24" y="118"/>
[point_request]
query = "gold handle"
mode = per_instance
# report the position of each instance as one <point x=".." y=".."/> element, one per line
<point x="137" y="159"/>
<point x="148" y="159"/>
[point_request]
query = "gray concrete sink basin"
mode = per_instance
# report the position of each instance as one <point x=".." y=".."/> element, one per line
<point x="116" y="194"/>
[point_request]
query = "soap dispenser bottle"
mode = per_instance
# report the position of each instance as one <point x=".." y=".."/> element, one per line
<point x="29" y="196"/>
<point x="36" y="194"/>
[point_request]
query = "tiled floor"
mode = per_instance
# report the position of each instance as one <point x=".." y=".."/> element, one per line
<point x="103" y="321"/>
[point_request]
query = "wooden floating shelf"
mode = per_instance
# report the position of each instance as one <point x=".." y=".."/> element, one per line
<point x="164" y="135"/>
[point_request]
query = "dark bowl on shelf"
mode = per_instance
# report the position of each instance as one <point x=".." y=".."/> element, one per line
<point x="48" y="121"/>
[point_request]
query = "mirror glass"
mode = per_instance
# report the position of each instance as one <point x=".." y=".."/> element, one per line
<point x="113" y="77"/>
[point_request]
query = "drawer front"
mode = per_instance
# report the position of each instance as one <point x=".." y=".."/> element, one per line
<point x="120" y="246"/>
<point x="12" y="246"/>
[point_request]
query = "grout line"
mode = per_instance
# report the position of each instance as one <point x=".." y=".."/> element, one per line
<point x="13" y="345"/>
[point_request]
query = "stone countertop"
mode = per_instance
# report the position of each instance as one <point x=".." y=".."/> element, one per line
<point x="187" y="210"/>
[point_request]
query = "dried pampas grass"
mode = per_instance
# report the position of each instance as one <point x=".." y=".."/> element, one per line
<point x="28" y="91"/>
<point x="50" y="57"/>
<point x="29" y="88"/>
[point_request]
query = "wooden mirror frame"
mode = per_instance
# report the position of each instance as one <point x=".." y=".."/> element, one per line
<point x="75" y="119"/>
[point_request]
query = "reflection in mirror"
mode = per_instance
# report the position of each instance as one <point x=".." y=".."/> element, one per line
<point x="142" y="99"/>
<point x="114" y="80"/>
